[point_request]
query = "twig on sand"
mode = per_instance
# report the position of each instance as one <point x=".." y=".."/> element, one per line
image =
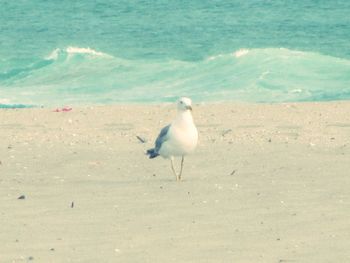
<point x="142" y="140"/>
<point x="233" y="172"/>
<point x="225" y="132"/>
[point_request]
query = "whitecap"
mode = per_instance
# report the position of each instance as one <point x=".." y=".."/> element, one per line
<point x="214" y="57"/>
<point x="296" y="91"/>
<point x="241" y="53"/>
<point x="88" y="51"/>
<point x="71" y="51"/>
<point x="53" y="55"/>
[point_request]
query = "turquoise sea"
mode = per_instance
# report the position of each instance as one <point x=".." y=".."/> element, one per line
<point x="69" y="52"/>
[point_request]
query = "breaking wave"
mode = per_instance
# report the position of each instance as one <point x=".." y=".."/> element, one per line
<point x="76" y="75"/>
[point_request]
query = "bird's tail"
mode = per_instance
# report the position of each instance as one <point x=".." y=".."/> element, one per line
<point x="152" y="153"/>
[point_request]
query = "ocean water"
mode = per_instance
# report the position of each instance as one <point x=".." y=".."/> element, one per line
<point x="67" y="52"/>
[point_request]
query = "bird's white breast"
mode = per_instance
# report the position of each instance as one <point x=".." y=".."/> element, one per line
<point x="183" y="138"/>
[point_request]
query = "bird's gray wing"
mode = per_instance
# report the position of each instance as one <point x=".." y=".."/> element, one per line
<point x="162" y="137"/>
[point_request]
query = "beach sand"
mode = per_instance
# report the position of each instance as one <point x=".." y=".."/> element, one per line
<point x="267" y="183"/>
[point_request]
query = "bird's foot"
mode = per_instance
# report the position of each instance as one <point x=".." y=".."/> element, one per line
<point x="178" y="177"/>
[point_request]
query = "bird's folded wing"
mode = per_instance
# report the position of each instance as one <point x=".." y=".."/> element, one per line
<point x="162" y="137"/>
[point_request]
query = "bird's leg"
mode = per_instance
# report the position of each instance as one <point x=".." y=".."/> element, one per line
<point x="182" y="165"/>
<point x="172" y="166"/>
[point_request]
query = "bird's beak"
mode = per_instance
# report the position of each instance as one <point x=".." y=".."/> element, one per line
<point x="189" y="108"/>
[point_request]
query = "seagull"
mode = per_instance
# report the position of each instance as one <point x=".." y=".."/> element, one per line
<point x="178" y="138"/>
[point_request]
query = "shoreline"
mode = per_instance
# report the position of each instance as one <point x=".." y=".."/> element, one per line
<point x="82" y="106"/>
<point x="267" y="183"/>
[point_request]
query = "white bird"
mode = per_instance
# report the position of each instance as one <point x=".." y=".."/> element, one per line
<point x="178" y="138"/>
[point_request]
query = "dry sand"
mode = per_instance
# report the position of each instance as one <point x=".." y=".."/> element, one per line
<point x="268" y="183"/>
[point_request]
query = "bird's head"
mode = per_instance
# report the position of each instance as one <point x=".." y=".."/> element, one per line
<point x="184" y="104"/>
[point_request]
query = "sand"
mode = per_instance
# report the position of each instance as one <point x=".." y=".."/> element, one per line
<point x="267" y="183"/>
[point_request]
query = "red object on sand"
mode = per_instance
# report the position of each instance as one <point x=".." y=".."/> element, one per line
<point x="65" y="109"/>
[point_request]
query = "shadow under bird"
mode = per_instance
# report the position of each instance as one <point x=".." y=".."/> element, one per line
<point x="178" y="138"/>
